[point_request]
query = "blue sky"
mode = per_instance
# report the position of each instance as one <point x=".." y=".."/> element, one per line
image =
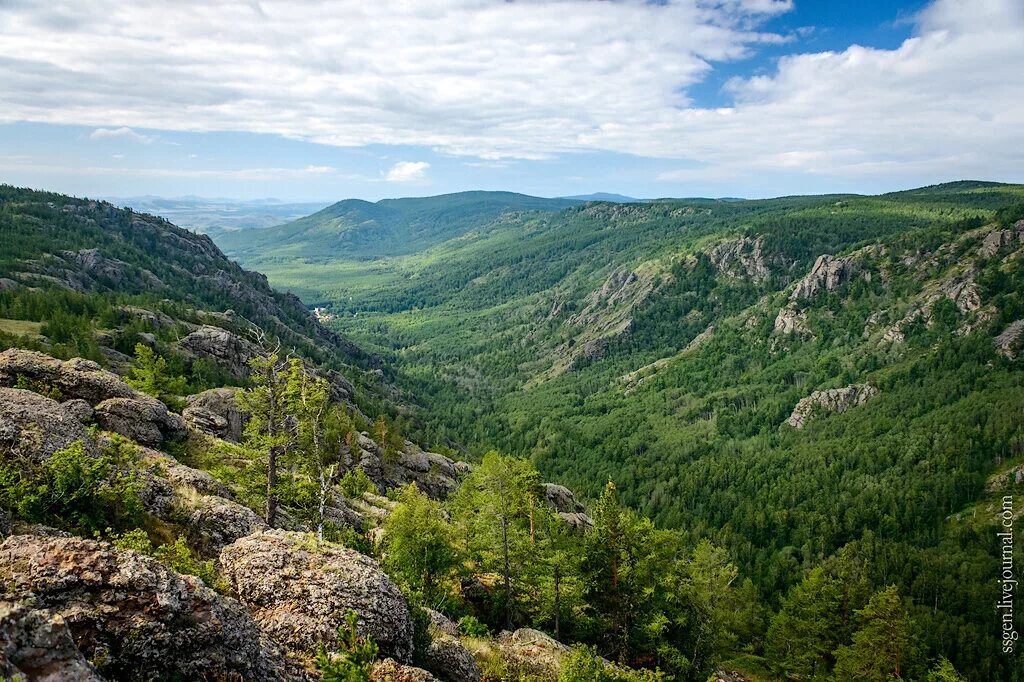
<point x="317" y="102"/>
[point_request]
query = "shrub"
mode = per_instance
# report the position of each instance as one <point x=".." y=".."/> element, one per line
<point x="355" y="482"/>
<point x="354" y="657"/>
<point x="176" y="555"/>
<point x="469" y="626"/>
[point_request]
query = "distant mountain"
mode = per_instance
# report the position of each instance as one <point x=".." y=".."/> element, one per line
<point x="606" y="196"/>
<point x="354" y="228"/>
<point x="216" y="215"/>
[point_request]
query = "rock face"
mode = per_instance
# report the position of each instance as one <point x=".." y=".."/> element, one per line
<point x="1008" y="342"/>
<point x="217" y="413"/>
<point x="118" y="407"/>
<point x="792" y="321"/>
<point x="134" y="614"/>
<point x="994" y="241"/>
<point x="217" y="522"/>
<point x="451" y="661"/>
<point x="228" y="350"/>
<point x="568" y="508"/>
<point x="833" y="400"/>
<point x="743" y="257"/>
<point x="299" y="593"/>
<point x="827" y="273"/>
<point x="35" y="426"/>
<point x="37" y="645"/>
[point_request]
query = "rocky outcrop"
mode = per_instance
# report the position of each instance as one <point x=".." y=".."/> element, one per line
<point x="34" y="426"/>
<point x="390" y="670"/>
<point x="36" y="644"/>
<point x="441" y="624"/>
<point x="561" y="498"/>
<point x="217" y="413"/>
<point x="434" y="474"/>
<point x="449" y="660"/>
<point x="118" y="407"/>
<point x="996" y="240"/>
<point x="534" y="649"/>
<point x="743" y="257"/>
<point x="792" y="321"/>
<point x="300" y="592"/>
<point x="833" y="400"/>
<point x="216" y="522"/>
<point x="1008" y="343"/>
<point x="827" y="274"/>
<point x="133" y="614"/>
<point x="226" y="349"/>
<point x="142" y="418"/>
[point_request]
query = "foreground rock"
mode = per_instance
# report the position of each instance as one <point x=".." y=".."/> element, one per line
<point x="534" y="650"/>
<point x="300" y="593"/>
<point x="217" y="522"/>
<point x="434" y="474"/>
<point x="224" y="348"/>
<point x="833" y="400"/>
<point x="117" y="406"/>
<point x="34" y="426"/>
<point x="133" y="614"/>
<point x="451" y="661"/>
<point x="37" y="645"/>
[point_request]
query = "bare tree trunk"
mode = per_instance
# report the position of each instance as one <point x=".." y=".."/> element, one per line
<point x="325" y="486"/>
<point x="558" y="602"/>
<point x="507" y="572"/>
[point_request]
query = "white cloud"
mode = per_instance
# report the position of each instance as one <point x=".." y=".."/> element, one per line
<point x="123" y="133"/>
<point x="408" y="171"/>
<point x="529" y="80"/>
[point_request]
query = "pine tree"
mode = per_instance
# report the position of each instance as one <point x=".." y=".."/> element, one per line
<point x="884" y="643"/>
<point x="803" y="634"/>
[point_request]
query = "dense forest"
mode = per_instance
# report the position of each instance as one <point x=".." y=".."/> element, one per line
<point x="664" y="346"/>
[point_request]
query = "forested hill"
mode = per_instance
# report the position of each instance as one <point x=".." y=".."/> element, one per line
<point x="822" y="381"/>
<point x="356" y="228"/>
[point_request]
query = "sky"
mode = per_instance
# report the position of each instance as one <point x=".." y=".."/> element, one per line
<point x="319" y="101"/>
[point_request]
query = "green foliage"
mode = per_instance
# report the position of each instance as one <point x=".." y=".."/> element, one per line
<point x="351" y="660"/>
<point x="74" y="490"/>
<point x="149" y="374"/>
<point x="470" y="626"/>
<point x="945" y="672"/>
<point x="582" y="664"/>
<point x="177" y="555"/>
<point x="355" y="482"/>
<point x="419" y="545"/>
<point x="884" y="648"/>
<point x="808" y="627"/>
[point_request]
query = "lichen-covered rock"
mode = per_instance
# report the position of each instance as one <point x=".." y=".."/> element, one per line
<point x="135" y="615"/>
<point x="299" y="592"/>
<point x="217" y="413"/>
<point x="442" y="624"/>
<point x="79" y="409"/>
<point x="179" y="475"/>
<point x="578" y="521"/>
<point x="228" y="350"/>
<point x="434" y="474"/>
<point x="390" y="670"/>
<point x="217" y="522"/>
<point x="117" y="406"/>
<point x="833" y="400"/>
<point x="75" y="378"/>
<point x="37" y="645"/>
<point x="34" y="426"/>
<point x="449" y="660"/>
<point x="142" y="418"/>
<point x="534" y="649"/>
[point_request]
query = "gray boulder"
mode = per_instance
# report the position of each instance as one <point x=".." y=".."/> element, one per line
<point x="142" y="418"/>
<point x="228" y="350"/>
<point x="34" y="426"/>
<point x="217" y="522"/>
<point x="390" y="670"/>
<point x="448" y="659"/>
<point x="300" y="592"/>
<point x="217" y="413"/>
<point x="36" y="644"/>
<point x="137" y="616"/>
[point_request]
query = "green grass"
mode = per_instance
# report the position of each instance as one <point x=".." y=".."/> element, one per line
<point x="21" y="327"/>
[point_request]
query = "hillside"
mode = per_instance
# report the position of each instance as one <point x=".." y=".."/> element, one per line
<point x="808" y="380"/>
<point x="360" y="229"/>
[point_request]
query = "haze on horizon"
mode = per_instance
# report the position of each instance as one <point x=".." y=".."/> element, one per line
<point x="317" y="102"/>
